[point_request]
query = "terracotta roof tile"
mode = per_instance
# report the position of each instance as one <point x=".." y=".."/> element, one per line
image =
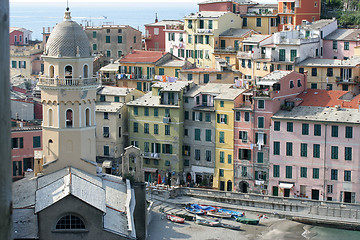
<point x="325" y="98"/>
<point x="143" y="56"/>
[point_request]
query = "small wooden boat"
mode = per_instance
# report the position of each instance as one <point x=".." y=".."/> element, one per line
<point x="247" y="220"/>
<point x="219" y="214"/>
<point x="184" y="216"/>
<point x="175" y="218"/>
<point x="232" y="227"/>
<point x="207" y="222"/>
<point x="195" y="211"/>
<point x="233" y="213"/>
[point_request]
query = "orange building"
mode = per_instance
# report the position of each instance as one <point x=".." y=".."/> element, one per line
<point x="293" y="12"/>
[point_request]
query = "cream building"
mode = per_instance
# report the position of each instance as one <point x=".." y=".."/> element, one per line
<point x="68" y="95"/>
<point x="111" y="124"/>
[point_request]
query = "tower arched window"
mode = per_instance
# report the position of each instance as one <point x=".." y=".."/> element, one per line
<point x="50" y="142"/>
<point x="69" y="118"/>
<point x="68" y="74"/>
<point x="86" y="71"/>
<point x="52" y="71"/>
<point x="70" y="222"/>
<point x="50" y="117"/>
<point x="87" y="117"/>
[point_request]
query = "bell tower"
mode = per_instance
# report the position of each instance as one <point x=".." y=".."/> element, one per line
<point x="68" y="93"/>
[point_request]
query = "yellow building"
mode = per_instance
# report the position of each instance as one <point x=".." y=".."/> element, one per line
<point x="26" y="60"/>
<point x="224" y="141"/>
<point x="203" y="30"/>
<point x="331" y="74"/>
<point x="262" y="18"/>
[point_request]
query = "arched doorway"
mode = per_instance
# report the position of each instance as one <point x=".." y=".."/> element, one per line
<point x="243" y="187"/>
<point x="229" y="186"/>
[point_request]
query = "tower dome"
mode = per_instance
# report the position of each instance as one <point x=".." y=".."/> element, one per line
<point x="67" y="39"/>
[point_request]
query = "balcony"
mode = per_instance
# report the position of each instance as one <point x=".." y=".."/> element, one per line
<point x="151" y="155"/>
<point x="341" y="80"/>
<point x="263" y="93"/>
<point x="225" y="50"/>
<point x="245" y="105"/>
<point x="205" y="31"/>
<point x="146" y="36"/>
<point x="288" y="11"/>
<point x="68" y="82"/>
<point x="174" y="27"/>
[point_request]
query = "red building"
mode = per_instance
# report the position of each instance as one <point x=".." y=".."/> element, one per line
<point x="19" y="36"/>
<point x="155" y="35"/>
<point x="24" y="141"/>
<point x="235" y="6"/>
<point x="293" y="12"/>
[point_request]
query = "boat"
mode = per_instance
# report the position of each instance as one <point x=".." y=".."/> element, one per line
<point x="218" y="214"/>
<point x="228" y="226"/>
<point x="174" y="218"/>
<point x="207" y="222"/>
<point x="247" y="220"/>
<point x="195" y="211"/>
<point x="184" y="216"/>
<point x="233" y="213"/>
<point x="203" y="207"/>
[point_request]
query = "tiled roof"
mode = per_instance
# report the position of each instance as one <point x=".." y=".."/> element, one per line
<point x="143" y="56"/>
<point x="325" y="98"/>
<point x="344" y="35"/>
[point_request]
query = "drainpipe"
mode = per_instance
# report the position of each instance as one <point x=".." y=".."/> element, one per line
<point x="5" y="152"/>
<point x="325" y="190"/>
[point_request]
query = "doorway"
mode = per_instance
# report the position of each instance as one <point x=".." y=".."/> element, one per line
<point x="222" y="186"/>
<point x="243" y="187"/>
<point x="286" y="192"/>
<point x="315" y="194"/>
<point x="229" y="186"/>
<point x="347" y="197"/>
<point x="275" y="191"/>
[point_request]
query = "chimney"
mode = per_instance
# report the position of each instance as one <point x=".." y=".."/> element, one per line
<point x="156" y="18"/>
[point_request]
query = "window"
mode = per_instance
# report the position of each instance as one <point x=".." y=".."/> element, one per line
<point x="330" y="72"/>
<point x="288" y="172"/>
<point x="186" y="115"/>
<point x="94" y="34"/>
<point x="291" y="84"/>
<point x="276" y="126"/>
<point x="36" y="142"/>
<point x="335" y="45"/>
<point x="289" y="150"/>
<point x="156" y="128"/>
<point x="13" y="64"/>
<point x="348" y="153"/>
<point x="186" y="132"/>
<point x="108" y="53"/>
<point x="207" y="117"/>
<point x="69" y="118"/>
<point x="315" y="173"/>
<point x="334" y="174"/>
<point x="276" y="148"/>
<point x="303" y="172"/>
<point x="281" y="54"/>
<point x="207" y="79"/>
<point x="261" y="122"/>
<point x="117" y="99"/>
<point x="136" y="112"/>
<point x="221" y="172"/>
<point x="289" y="127"/>
<point x="301" y="70"/>
<point x="156" y="112"/>
<point x="261" y="104"/>
<point x="221" y="137"/>
<point x="299" y="83"/>
<point x="167" y="148"/>
<point x="136" y="127"/>
<point x="70" y="222"/>
<point x="186" y="162"/>
<point x="316" y="150"/>
<point x="102" y="98"/>
<point x="197" y="154"/>
<point x="317" y="130"/>
<point x="146" y="111"/>
<point x="276" y="171"/>
<point x="229" y="158"/>
<point x="314" y="72"/>
<point x="293" y="54"/>
<point x="106" y="115"/>
<point x="119" y="39"/>
<point x="243" y="135"/>
<point x="208" y="135"/>
<point x="260" y="157"/>
<point x="348" y="132"/>
<point x="119" y="132"/>
<point x="258" y="65"/>
<point x="161" y="71"/>
<point x="334" y="131"/>
<point x="222" y="118"/>
<point x="346" y="45"/>
<point x="222" y="157"/>
<point x="246" y="116"/>
<point x="197" y="134"/>
<point x="330" y="189"/>
<point x="207" y="41"/>
<point x="208" y="156"/>
<point x="107" y="39"/>
<point x="190" y="76"/>
<point x="347" y="176"/>
<point x="303" y="149"/>
<point x="313" y="86"/>
<point x="245" y="22"/>
<point x="134" y="39"/>
<point x="167" y="130"/>
<point x="106" y="150"/>
<point x="258" y="22"/>
<point x="146" y="128"/>
<point x="94" y="47"/>
<point x="334" y="152"/>
<point x="221" y="103"/>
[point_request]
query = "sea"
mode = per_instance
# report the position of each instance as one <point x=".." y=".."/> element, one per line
<point x="36" y="15"/>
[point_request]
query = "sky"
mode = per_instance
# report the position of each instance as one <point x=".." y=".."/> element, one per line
<point x="167" y="1"/>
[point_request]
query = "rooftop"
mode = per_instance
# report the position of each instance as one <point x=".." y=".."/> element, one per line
<point x="242" y="2"/>
<point x="174" y="63"/>
<point x="111" y="67"/>
<point x="138" y="56"/>
<point x="256" y="38"/>
<point x="109" y="106"/>
<point x="344" y="35"/>
<point x="165" y="22"/>
<point x="275" y="75"/>
<point x="114" y="91"/>
<point x="235" y="32"/>
<point x="206" y="14"/>
<point x="326" y="98"/>
<point x="322" y="62"/>
<point x="318" y="24"/>
<point x="200" y="70"/>
<point x="210" y="88"/>
<point x="171" y="87"/>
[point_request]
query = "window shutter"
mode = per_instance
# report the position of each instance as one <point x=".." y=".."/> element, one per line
<point x="264" y="139"/>
<point x="21" y="142"/>
<point x="200" y="116"/>
<point x="163" y="148"/>
<point x="218" y="118"/>
<point x="225" y="118"/>
<point x="170" y="149"/>
<point x="256" y="175"/>
<point x="193" y="116"/>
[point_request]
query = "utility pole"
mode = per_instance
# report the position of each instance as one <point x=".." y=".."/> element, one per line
<point x="5" y="149"/>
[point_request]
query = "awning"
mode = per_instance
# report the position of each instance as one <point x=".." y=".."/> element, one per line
<point x="152" y="170"/>
<point x="286" y="185"/>
<point x="198" y="169"/>
<point x="107" y="164"/>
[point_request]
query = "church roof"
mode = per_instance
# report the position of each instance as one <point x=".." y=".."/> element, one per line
<point x="67" y="39"/>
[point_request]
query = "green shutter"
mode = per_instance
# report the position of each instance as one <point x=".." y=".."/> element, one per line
<point x="21" y="142"/>
<point x="200" y="116"/>
<point x="218" y="118"/>
<point x="225" y="118"/>
<point x="171" y="149"/>
<point x="163" y="148"/>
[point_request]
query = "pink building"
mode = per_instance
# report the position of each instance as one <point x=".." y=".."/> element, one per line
<point x="252" y="127"/>
<point x="19" y="36"/>
<point x="24" y="141"/>
<point x="341" y="43"/>
<point x="235" y="6"/>
<point x="314" y="150"/>
<point x="155" y="33"/>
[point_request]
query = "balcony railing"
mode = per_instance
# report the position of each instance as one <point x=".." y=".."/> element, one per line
<point x="59" y="82"/>
<point x="147" y="36"/>
<point x="341" y="80"/>
<point x="151" y="155"/>
<point x="209" y="31"/>
<point x="226" y="50"/>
